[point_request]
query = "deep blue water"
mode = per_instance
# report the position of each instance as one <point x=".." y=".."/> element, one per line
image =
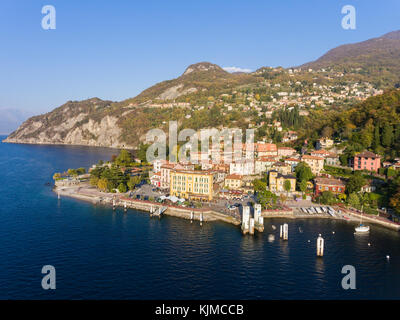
<point x="101" y="254"/>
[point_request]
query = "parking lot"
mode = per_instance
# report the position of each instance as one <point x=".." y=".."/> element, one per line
<point x="146" y="192"/>
<point x="231" y="207"/>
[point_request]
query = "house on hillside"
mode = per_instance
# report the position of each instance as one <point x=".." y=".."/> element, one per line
<point x="366" y="160"/>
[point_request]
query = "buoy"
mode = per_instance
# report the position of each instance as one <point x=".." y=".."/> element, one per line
<point x="271" y="238"/>
<point x="309" y="241"/>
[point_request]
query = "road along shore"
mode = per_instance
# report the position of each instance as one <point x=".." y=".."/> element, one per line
<point x="96" y="197"/>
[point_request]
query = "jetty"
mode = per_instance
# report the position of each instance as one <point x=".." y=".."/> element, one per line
<point x="157" y="211"/>
<point x="249" y="223"/>
<point x="251" y="219"/>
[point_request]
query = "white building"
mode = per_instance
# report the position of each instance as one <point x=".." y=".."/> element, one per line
<point x="244" y="167"/>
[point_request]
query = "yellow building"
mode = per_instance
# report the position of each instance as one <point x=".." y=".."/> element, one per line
<point x="191" y="185"/>
<point x="277" y="182"/>
<point x="234" y="181"/>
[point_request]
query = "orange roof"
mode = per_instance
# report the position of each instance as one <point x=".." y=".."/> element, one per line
<point x="329" y="181"/>
<point x="234" y="176"/>
<point x="292" y="159"/>
<point x="267" y="159"/>
<point x="308" y="157"/>
<point x="322" y="151"/>
<point x="286" y="148"/>
<point x="266" y="147"/>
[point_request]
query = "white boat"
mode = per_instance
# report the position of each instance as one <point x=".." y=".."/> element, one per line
<point x="362" y="228"/>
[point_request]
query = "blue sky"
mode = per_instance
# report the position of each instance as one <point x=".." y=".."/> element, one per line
<point x="115" y="49"/>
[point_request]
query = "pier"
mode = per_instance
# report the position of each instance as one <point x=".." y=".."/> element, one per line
<point x="249" y="223"/>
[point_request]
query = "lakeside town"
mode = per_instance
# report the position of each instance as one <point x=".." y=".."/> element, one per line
<point x="271" y="179"/>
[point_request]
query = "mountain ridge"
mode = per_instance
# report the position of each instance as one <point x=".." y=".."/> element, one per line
<point x="96" y="122"/>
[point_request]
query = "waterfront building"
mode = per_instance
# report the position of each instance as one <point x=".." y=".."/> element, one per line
<point x="192" y="185"/>
<point x="166" y="169"/>
<point x="328" y="184"/>
<point x="155" y="179"/>
<point x="157" y="164"/>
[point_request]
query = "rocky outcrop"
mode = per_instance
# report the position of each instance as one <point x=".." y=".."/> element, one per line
<point x="104" y="133"/>
<point x="75" y="123"/>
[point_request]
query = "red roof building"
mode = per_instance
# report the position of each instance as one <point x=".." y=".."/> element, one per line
<point x="328" y="184"/>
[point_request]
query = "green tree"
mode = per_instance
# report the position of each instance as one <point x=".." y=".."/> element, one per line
<point x="122" y="188"/>
<point x="303" y="186"/>
<point x="133" y="181"/>
<point x="353" y="200"/>
<point x="377" y="139"/>
<point x="80" y="171"/>
<point x="102" y="184"/>
<point x="364" y="200"/>
<point x="72" y="172"/>
<point x="94" y="181"/>
<point x="141" y="154"/>
<point x="57" y="176"/>
<point x="354" y="184"/>
<point x="124" y="158"/>
<point x="287" y="186"/>
<point x="387" y="135"/>
<point x="327" y="197"/>
<point x="259" y="185"/>
<point x="395" y="201"/>
<point x="303" y="172"/>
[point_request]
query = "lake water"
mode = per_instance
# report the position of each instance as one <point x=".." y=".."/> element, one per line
<point x="101" y="254"/>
